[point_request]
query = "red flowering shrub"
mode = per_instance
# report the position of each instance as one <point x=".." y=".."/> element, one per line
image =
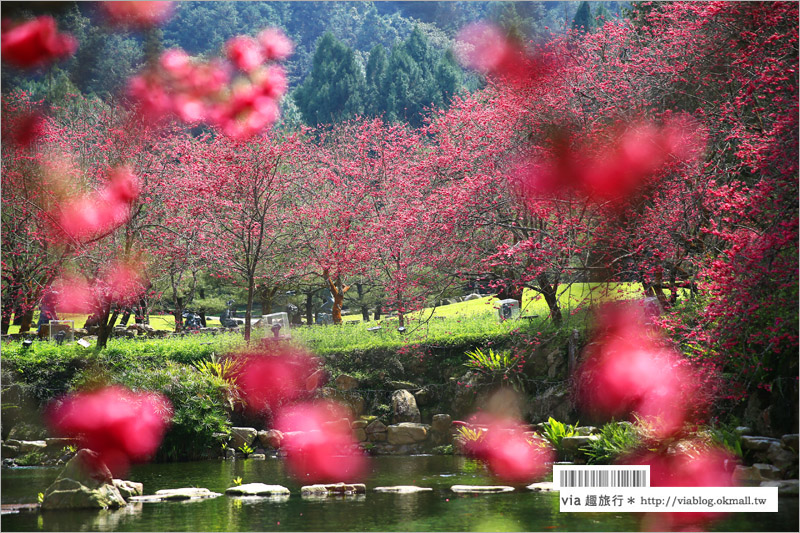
<point x="35" y="43"/>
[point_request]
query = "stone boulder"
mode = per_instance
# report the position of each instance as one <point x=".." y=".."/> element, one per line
<point x="85" y="483"/>
<point x="335" y="489"/>
<point x="543" y="486"/>
<point x="441" y="429"/>
<point x="257" y="489"/>
<point x="407" y="433"/>
<point x="271" y="439"/>
<point x="790" y="442"/>
<point x="345" y="382"/>
<point x="376" y="431"/>
<point x="404" y="407"/>
<point x="786" y="486"/>
<point x="241" y="436"/>
<point x="572" y="445"/>
<point x="480" y="489"/>
<point x="187" y="493"/>
<point x="403" y="489"/>
<point x="128" y="489"/>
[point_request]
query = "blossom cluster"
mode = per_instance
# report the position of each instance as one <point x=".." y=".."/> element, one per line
<point x="238" y="95"/>
<point x="35" y="43"/>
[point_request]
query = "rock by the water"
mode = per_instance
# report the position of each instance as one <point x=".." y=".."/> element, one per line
<point x="404" y="407"/>
<point x="480" y="489"/>
<point x="441" y="423"/>
<point x="585" y="431"/>
<point x="786" y="486"/>
<point x="572" y="445"/>
<point x="188" y="493"/>
<point x="256" y="489"/>
<point x="66" y="493"/>
<point x="767" y="471"/>
<point x="544" y="486"/>
<point x="403" y="489"/>
<point x="257" y="457"/>
<point x="85" y="483"/>
<point x="334" y="489"/>
<point x="271" y="439"/>
<point x="746" y="474"/>
<point x="758" y="444"/>
<point x="376" y="431"/>
<point x="241" y="436"/>
<point x="407" y="433"/>
<point x="359" y="424"/>
<point x="790" y="442"/>
<point x="27" y="446"/>
<point x="128" y="489"/>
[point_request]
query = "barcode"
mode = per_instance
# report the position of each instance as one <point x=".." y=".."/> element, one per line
<point x="603" y="478"/>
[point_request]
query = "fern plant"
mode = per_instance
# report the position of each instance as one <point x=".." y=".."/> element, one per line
<point x="616" y="440"/>
<point x="497" y="365"/>
<point x="246" y="449"/>
<point x="555" y="431"/>
<point x="226" y="371"/>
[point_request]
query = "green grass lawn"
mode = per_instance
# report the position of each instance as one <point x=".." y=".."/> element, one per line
<point x="163" y="322"/>
<point x="474" y="320"/>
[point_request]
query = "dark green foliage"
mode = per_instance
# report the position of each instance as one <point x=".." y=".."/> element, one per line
<point x="377" y="65"/>
<point x="583" y="18"/>
<point x="335" y="87"/>
<point x="200" y="422"/>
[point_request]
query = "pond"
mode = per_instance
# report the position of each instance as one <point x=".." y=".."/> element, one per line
<point x="440" y="510"/>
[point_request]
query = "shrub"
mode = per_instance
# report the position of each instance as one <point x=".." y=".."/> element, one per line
<point x="616" y="440"/>
<point x="555" y="431"/>
<point x="200" y="421"/>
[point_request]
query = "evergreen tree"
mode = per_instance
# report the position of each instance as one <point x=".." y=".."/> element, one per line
<point x="377" y="64"/>
<point x="583" y="18"/>
<point x="335" y="88"/>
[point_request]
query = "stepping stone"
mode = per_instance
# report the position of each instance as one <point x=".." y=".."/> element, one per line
<point x="403" y="489"/>
<point x="335" y="489"/>
<point x="480" y="489"/>
<point x="257" y="489"/>
<point x="544" y="486"/>
<point x="188" y="493"/>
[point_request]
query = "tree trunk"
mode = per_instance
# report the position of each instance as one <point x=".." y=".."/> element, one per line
<point x="364" y="308"/>
<point x="8" y="309"/>
<point x="338" y="292"/>
<point x="309" y="308"/>
<point x="178" y="314"/>
<point x="248" y="314"/>
<point x="106" y="327"/>
<point x="202" y="310"/>
<point x="378" y="311"/>
<point x="551" y="297"/>
<point x="27" y="320"/>
<point x="126" y="316"/>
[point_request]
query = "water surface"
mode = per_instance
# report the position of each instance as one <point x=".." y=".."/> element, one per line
<point x="439" y="510"/>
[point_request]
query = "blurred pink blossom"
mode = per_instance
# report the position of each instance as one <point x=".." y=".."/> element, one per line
<point x="138" y="14"/>
<point x="86" y="217"/>
<point x="487" y="49"/>
<point x="319" y="443"/>
<point x="275" y="45"/>
<point x="268" y="380"/>
<point x="627" y="371"/>
<point x="35" y="43"/>
<point x="510" y="454"/>
<point x="607" y="164"/>
<point x="120" y="425"/>
<point x="244" y="52"/>
<point x="698" y="466"/>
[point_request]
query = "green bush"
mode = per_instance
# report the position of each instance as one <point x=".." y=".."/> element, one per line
<point x="555" y="431"/>
<point x="200" y="421"/>
<point x="616" y="440"/>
